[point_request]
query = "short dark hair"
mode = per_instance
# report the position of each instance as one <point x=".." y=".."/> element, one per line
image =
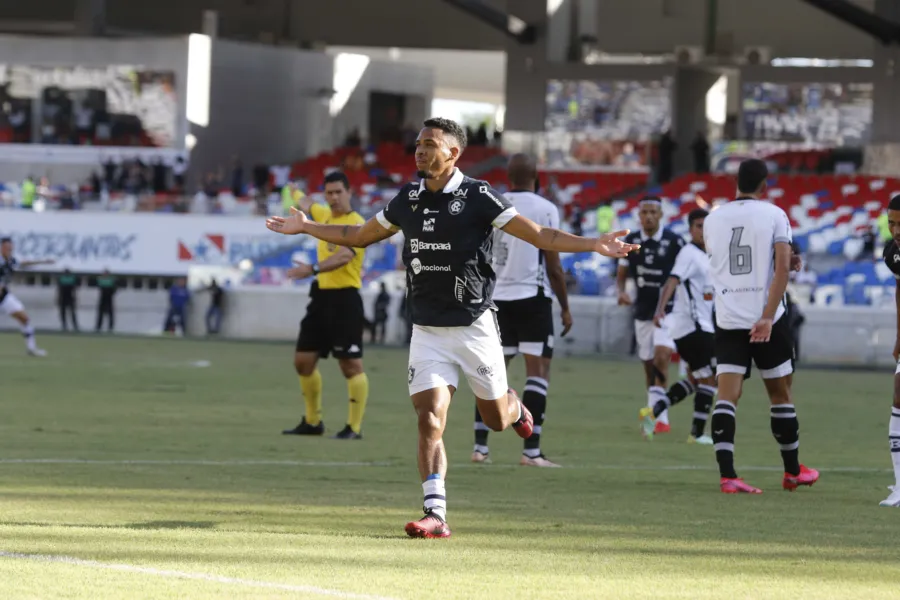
<point x="894" y="204"/>
<point x="751" y="175"/>
<point x="449" y="127"/>
<point x="5" y="240"/>
<point x="337" y="177"/>
<point x="696" y="215"/>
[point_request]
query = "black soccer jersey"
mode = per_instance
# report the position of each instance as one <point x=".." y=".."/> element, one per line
<point x="650" y="268"/>
<point x="892" y="258"/>
<point x="448" y="248"/>
<point x="8" y="267"/>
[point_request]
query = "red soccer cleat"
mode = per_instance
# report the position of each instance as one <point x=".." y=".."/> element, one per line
<point x="737" y="486"/>
<point x="525" y="425"/>
<point x="806" y="477"/>
<point x="430" y="526"/>
<point x="662" y="428"/>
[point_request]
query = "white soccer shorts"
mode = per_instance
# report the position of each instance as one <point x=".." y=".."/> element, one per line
<point x="11" y="305"/>
<point x="650" y="336"/>
<point x="436" y="355"/>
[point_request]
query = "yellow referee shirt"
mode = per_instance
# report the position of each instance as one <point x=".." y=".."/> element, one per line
<point x="350" y="275"/>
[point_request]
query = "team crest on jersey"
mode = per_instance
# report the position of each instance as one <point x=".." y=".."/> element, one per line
<point x="412" y="375"/>
<point x="456" y="206"/>
<point x="897" y="258"/>
<point x="486" y="371"/>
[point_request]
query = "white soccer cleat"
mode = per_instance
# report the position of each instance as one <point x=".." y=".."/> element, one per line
<point x="894" y="499"/>
<point x="538" y="461"/>
<point x="37" y="352"/>
<point x="703" y="440"/>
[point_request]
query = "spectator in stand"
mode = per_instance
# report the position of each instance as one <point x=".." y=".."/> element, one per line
<point x="211" y="191"/>
<point x="700" y="150"/>
<point x="291" y="195"/>
<point x="179" y="298"/>
<point x="108" y="285"/>
<point x="160" y="174"/>
<point x="667" y="148"/>
<point x="868" y="247"/>
<point x="577" y="218"/>
<point x="884" y="229"/>
<point x="179" y="168"/>
<point x="280" y="175"/>
<point x="481" y="136"/>
<point x="353" y="139"/>
<point x="237" y="177"/>
<point x="605" y="218"/>
<point x="382" y="302"/>
<point x="66" y="286"/>
<point x="29" y="192"/>
<point x="109" y="174"/>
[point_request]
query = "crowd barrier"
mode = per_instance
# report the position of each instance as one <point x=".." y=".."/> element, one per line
<point x="837" y="336"/>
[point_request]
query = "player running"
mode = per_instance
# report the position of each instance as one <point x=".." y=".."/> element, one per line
<point x="650" y="268"/>
<point x="8" y="302"/>
<point x="525" y="277"/>
<point x="892" y="260"/>
<point x="447" y="221"/>
<point x="690" y="324"/>
<point x="335" y="319"/>
<point x="749" y="246"/>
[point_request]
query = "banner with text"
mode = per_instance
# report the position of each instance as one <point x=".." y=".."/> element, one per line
<point x="138" y="244"/>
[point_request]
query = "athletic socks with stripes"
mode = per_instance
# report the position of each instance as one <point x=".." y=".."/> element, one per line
<point x="703" y="401"/>
<point x="666" y="400"/>
<point x="535" y="400"/>
<point x="894" y="433"/>
<point x="786" y="430"/>
<point x="435" y="496"/>
<point x="723" y="428"/>
<point x="481" y="433"/>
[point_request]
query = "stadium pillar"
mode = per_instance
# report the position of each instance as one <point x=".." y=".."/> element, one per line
<point x="885" y="125"/>
<point x="560" y="16"/>
<point x="689" y="111"/>
<point x="90" y="17"/>
<point x="526" y="72"/>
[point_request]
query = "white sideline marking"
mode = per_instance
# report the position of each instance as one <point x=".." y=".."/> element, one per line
<point x="186" y="575"/>
<point x="316" y="463"/>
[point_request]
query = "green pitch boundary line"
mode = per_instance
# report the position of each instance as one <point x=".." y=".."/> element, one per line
<point x="351" y="464"/>
<point x="205" y="577"/>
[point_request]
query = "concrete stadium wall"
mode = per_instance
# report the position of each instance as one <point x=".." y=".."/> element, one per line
<point x="846" y="336"/>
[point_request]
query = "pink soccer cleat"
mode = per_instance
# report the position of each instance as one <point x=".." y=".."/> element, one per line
<point x="806" y="477"/>
<point x="737" y="486"/>
<point x="430" y="526"/>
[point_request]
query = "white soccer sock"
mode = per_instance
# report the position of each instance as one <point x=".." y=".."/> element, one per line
<point x="435" y="495"/>
<point x="654" y="395"/>
<point x="28" y="334"/>
<point x="894" y="433"/>
<point x="482" y="449"/>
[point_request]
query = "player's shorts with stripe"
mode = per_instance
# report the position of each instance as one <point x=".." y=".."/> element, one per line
<point x="526" y="326"/>
<point x="437" y="354"/>
<point x="333" y="324"/>
<point x="9" y="304"/>
<point x="697" y="349"/>
<point x="649" y="336"/>
<point x="774" y="359"/>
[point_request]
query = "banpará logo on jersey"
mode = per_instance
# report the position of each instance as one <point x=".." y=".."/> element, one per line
<point x="428" y="211"/>
<point x="415" y="245"/>
<point x="417" y="267"/>
<point x="642" y="270"/>
<point x="456" y="206"/>
<point x="487" y="192"/>
<point x="428" y="225"/>
<point x="413" y="194"/>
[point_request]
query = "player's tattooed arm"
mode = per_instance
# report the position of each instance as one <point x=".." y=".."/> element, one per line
<point x="353" y="236"/>
<point x="548" y="238"/>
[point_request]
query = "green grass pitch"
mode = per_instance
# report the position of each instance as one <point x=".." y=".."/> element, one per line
<point x="127" y="470"/>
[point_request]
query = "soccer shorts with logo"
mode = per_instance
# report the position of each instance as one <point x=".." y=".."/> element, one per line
<point x="437" y="354"/>
<point x="526" y="326"/>
<point x="774" y="359"/>
<point x="697" y="349"/>
<point x="333" y="324"/>
<point x="9" y="304"/>
<point x="650" y="336"/>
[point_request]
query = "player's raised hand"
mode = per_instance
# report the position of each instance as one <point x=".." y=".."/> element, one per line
<point x="761" y="331"/>
<point x="292" y="225"/>
<point x="566" y="322"/>
<point x="610" y="245"/>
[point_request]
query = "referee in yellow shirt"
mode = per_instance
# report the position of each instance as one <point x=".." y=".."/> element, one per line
<point x="334" y="319"/>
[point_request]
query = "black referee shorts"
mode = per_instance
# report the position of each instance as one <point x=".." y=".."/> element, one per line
<point x="774" y="359"/>
<point x="526" y="326"/>
<point x="333" y="324"/>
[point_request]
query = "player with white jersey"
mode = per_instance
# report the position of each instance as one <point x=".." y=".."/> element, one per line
<point x="527" y="278"/>
<point x="892" y="260"/>
<point x="11" y="305"/>
<point x="749" y="246"/>
<point x="691" y="326"/>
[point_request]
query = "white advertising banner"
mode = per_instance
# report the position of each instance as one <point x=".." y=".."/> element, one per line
<point x="137" y="243"/>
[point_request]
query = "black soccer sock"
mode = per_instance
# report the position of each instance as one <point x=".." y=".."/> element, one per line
<point x="703" y="400"/>
<point x="676" y="394"/>
<point x="481" y="433"/>
<point x="723" y="428"/>
<point x="535" y="400"/>
<point x="786" y="430"/>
